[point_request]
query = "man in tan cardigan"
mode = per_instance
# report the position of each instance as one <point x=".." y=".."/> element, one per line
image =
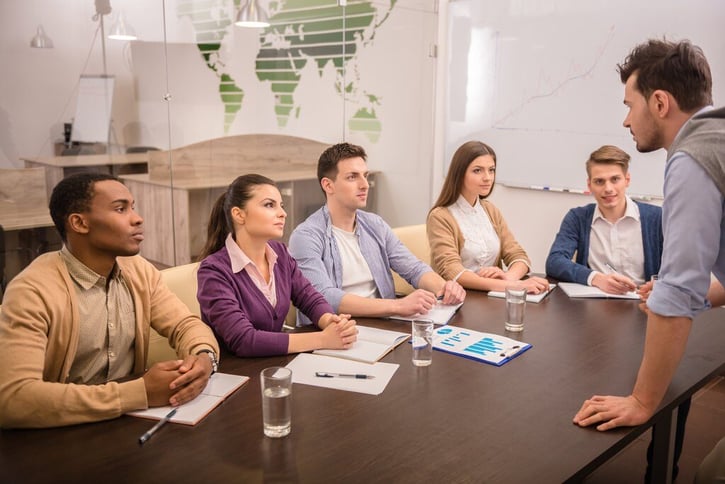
<point x="75" y="323"/>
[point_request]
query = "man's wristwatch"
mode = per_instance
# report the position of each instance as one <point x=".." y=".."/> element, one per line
<point x="213" y="358"/>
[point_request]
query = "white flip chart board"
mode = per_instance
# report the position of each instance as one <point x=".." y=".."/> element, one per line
<point x="92" y="120"/>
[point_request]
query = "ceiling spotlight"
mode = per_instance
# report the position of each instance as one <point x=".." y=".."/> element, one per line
<point x="251" y="15"/>
<point x="41" y="41"/>
<point x="121" y="30"/>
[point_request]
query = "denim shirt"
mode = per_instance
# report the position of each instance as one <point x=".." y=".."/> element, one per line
<point x="693" y="222"/>
<point x="315" y="248"/>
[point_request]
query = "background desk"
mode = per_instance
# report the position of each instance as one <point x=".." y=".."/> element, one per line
<point x="24" y="221"/>
<point x="455" y="421"/>
<point x="176" y="213"/>
<point x="59" y="167"/>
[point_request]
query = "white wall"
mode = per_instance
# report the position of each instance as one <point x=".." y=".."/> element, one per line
<point x="38" y="87"/>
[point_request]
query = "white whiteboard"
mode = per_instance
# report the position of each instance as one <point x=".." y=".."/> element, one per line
<point x="537" y="80"/>
<point x="92" y="121"/>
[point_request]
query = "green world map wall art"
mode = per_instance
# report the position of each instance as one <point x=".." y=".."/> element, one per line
<point x="300" y="32"/>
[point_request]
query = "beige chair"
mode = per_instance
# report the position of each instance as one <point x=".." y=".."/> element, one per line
<point x="414" y="237"/>
<point x="182" y="282"/>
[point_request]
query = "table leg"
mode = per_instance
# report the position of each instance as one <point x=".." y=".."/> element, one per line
<point x="663" y="437"/>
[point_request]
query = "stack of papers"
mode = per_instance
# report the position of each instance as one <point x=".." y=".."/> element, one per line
<point x="371" y="345"/>
<point x="220" y="386"/>
<point x="440" y="314"/>
<point x="533" y="298"/>
<point x="305" y="367"/>
<point x="575" y="290"/>
<point x="485" y="347"/>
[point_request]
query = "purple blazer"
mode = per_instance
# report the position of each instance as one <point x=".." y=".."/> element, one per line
<point x="241" y="316"/>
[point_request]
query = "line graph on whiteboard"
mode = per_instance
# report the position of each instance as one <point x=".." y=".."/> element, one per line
<point x="538" y="81"/>
<point x="548" y="84"/>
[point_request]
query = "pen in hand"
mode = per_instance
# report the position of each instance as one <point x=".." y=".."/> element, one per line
<point x="630" y="286"/>
<point x="155" y="428"/>
<point x="611" y="269"/>
<point x="359" y="376"/>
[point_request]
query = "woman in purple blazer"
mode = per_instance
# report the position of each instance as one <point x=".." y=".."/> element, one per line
<point x="246" y="280"/>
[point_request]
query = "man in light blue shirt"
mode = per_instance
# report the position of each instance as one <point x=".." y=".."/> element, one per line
<point x="668" y="93"/>
<point x="347" y="253"/>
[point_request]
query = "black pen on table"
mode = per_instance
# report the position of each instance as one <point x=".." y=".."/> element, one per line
<point x="359" y="376"/>
<point x="150" y="432"/>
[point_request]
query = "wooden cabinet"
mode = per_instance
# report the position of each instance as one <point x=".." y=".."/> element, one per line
<point x="177" y="195"/>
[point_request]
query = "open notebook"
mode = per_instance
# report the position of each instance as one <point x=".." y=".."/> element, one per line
<point x="220" y="386"/>
<point x="575" y="290"/>
<point x="371" y="345"/>
<point x="440" y="314"/>
<point x="533" y="298"/>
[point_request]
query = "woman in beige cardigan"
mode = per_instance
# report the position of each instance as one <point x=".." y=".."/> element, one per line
<point x="469" y="239"/>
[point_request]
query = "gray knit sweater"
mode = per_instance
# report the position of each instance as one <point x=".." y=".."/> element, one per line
<point x="703" y="138"/>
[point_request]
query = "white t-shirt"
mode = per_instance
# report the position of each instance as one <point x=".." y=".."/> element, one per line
<point x="356" y="276"/>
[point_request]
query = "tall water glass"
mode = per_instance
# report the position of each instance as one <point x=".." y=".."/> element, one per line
<point x="515" y="308"/>
<point x="276" y="383"/>
<point x="422" y="342"/>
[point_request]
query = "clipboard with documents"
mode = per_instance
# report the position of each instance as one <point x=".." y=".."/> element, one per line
<point x="485" y="347"/>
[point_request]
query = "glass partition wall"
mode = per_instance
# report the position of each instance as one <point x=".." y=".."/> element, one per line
<point x="188" y="101"/>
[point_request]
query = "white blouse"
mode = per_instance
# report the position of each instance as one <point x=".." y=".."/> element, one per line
<point x="481" y="244"/>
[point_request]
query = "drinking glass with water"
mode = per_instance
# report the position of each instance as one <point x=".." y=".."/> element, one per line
<point x="276" y="383"/>
<point x="515" y="308"/>
<point x="422" y="342"/>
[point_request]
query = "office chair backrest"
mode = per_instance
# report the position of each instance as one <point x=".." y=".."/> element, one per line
<point x="182" y="282"/>
<point x="414" y="237"/>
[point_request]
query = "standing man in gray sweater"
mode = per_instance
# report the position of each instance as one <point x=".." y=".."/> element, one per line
<point x="668" y="93"/>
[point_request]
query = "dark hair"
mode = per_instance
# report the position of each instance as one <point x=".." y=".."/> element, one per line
<point x="463" y="157"/>
<point x="327" y="164"/>
<point x="73" y="195"/>
<point x="220" y="221"/>
<point x="679" y="68"/>
<point x="608" y="155"/>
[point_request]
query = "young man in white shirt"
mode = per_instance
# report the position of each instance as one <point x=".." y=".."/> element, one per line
<point x="348" y="253"/>
<point x="617" y="241"/>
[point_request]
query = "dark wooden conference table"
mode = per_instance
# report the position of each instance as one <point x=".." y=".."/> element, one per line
<point x="455" y="421"/>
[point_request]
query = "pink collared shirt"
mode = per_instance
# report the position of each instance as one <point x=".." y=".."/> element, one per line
<point x="240" y="261"/>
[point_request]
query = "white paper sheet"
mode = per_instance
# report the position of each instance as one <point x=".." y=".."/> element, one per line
<point x="305" y="365"/>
